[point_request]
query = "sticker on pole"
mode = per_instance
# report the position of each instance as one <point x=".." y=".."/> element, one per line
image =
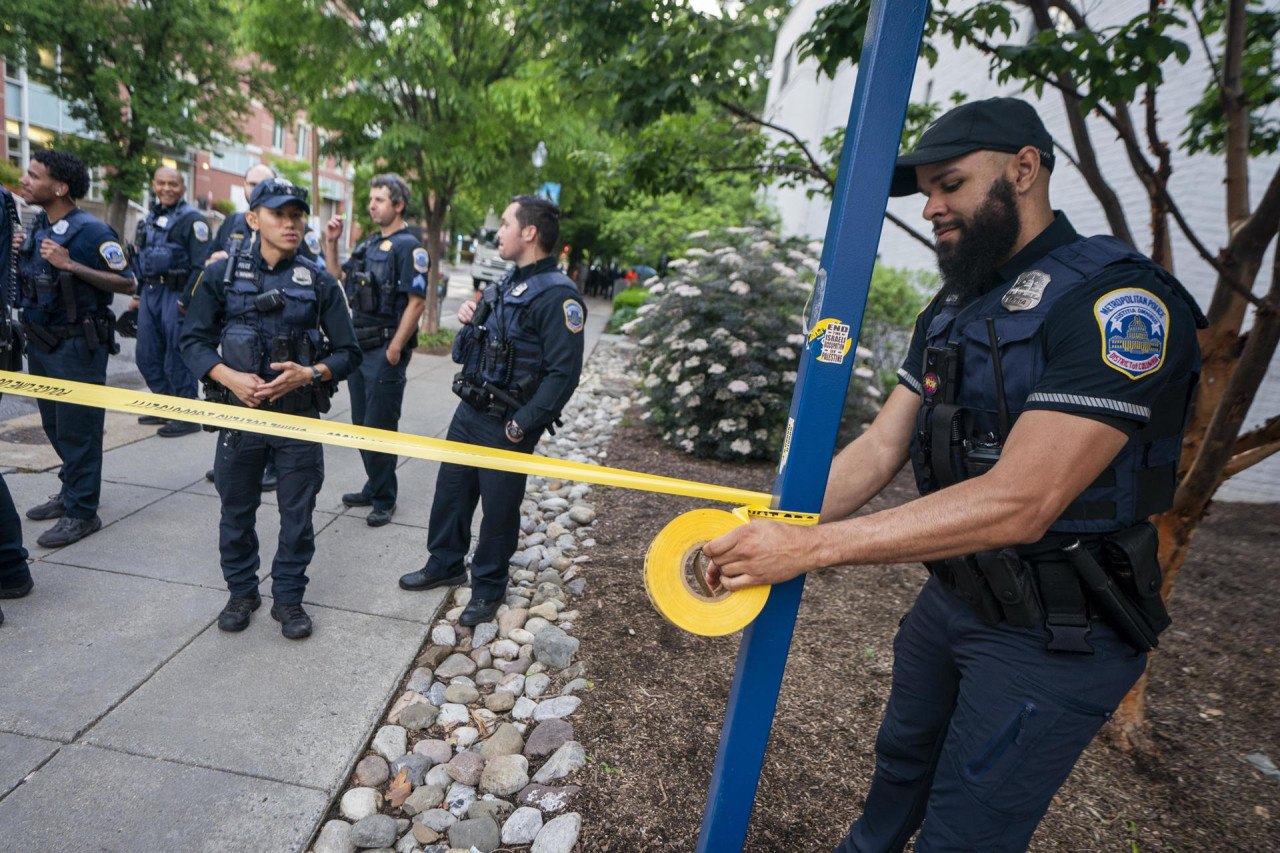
<point x="829" y="341"/>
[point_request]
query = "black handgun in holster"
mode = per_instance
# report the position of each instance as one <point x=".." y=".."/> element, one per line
<point x="1119" y="612"/>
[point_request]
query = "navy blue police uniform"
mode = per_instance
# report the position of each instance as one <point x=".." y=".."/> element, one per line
<point x="172" y="244"/>
<point x="70" y="333"/>
<point x="15" y="576"/>
<point x="247" y="314"/>
<point x="521" y="360"/>
<point x="379" y="277"/>
<point x="1006" y="666"/>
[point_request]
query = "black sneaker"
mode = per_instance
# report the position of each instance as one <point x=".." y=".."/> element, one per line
<point x="1" y="617"/>
<point x="294" y="621"/>
<point x="235" y="616"/>
<point x="68" y="530"/>
<point x="173" y="429"/>
<point x="52" y="508"/>
<point x="479" y="610"/>
<point x="356" y="499"/>
<point x="379" y="517"/>
<point x="209" y="475"/>
<point x="421" y="579"/>
<point x="152" y="420"/>
<point x="269" y="478"/>
<point x="16" y="588"/>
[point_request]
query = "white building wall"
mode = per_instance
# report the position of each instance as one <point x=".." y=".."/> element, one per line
<point x="813" y="106"/>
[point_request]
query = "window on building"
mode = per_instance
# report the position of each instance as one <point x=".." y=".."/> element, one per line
<point x="301" y="139"/>
<point x="277" y="137"/>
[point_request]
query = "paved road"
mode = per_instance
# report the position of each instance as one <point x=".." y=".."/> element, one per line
<point x="128" y="722"/>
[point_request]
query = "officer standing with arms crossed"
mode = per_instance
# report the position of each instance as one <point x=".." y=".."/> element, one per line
<point x="270" y="330"/>
<point x="171" y="244"/>
<point x="1038" y="467"/>
<point x="15" y="575"/>
<point x="234" y="236"/>
<point x="69" y="267"/>
<point x="386" y="284"/>
<point x="521" y="353"/>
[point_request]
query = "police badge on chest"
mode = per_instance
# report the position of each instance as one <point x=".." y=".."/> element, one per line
<point x="1026" y="291"/>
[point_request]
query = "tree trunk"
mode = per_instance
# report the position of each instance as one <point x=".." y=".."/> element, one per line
<point x="118" y="214"/>
<point x="1129" y="729"/>
<point x="433" y="225"/>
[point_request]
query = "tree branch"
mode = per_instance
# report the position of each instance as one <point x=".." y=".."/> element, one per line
<point x="1204" y="42"/>
<point x="747" y="115"/>
<point x="911" y="232"/>
<point x="1267" y="433"/>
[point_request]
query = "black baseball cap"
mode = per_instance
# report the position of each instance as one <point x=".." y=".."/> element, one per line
<point x="276" y="192"/>
<point x="995" y="124"/>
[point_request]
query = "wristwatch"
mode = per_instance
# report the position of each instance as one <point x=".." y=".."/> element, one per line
<point x="513" y="431"/>
<point x="317" y="375"/>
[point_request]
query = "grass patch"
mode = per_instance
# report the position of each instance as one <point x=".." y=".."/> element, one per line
<point x="442" y="338"/>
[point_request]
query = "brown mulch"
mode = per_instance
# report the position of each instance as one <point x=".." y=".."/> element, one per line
<point x="652" y="722"/>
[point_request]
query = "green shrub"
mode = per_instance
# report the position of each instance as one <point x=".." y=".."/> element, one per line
<point x="720" y="341"/>
<point x="442" y="338"/>
<point x="631" y="296"/>
<point x="897" y="296"/>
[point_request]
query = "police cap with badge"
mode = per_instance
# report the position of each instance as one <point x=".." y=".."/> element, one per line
<point x="994" y="124"/>
<point x="276" y="193"/>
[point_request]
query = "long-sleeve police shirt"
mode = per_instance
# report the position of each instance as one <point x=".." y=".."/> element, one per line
<point x="558" y="317"/>
<point x="206" y="318"/>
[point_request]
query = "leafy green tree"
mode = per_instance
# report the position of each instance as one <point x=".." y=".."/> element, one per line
<point x="446" y="93"/>
<point x="138" y="75"/>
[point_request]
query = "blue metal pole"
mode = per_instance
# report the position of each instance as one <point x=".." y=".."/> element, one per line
<point x="848" y="255"/>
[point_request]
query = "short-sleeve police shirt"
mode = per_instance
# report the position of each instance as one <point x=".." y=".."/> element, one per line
<point x="408" y="258"/>
<point x="1085" y="374"/>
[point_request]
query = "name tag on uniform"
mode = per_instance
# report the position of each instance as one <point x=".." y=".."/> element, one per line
<point x="60" y="227"/>
<point x="519" y="289"/>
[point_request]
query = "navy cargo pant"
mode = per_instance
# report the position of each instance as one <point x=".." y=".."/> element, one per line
<point x="238" y="467"/>
<point x="157" y="354"/>
<point x="983" y="726"/>
<point x="459" y="488"/>
<point x="74" y="431"/>
<point x="377" y="390"/>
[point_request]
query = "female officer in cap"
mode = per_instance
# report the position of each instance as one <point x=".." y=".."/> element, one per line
<point x="269" y="330"/>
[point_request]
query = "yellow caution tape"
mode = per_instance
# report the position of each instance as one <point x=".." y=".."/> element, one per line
<point x="360" y="438"/>
<point x="673" y="564"/>
<point x="675" y="571"/>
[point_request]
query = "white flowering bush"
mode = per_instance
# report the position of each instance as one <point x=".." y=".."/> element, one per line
<point x="720" y="340"/>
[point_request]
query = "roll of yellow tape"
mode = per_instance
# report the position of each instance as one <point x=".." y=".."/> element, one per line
<point x="674" y="577"/>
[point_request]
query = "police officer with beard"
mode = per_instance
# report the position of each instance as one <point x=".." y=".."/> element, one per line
<point x="1041" y="405"/>
<point x="70" y="265"/>
<point x="521" y="351"/>
<point x="386" y="286"/>
<point x="171" y="245"/>
<point x="269" y="330"/>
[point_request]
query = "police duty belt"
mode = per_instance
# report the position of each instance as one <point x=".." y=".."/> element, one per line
<point x="674" y="568"/>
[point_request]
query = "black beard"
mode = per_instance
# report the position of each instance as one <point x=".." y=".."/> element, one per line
<point x="969" y="264"/>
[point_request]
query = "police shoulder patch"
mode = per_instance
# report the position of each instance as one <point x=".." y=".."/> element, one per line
<point x="1135" y="331"/>
<point x="421" y="262"/>
<point x="113" y="254"/>
<point x="573" y="317"/>
<point x="313" y="242"/>
<point x="200" y="230"/>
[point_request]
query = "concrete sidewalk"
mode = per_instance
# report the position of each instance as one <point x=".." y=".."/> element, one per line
<point x="129" y="722"/>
